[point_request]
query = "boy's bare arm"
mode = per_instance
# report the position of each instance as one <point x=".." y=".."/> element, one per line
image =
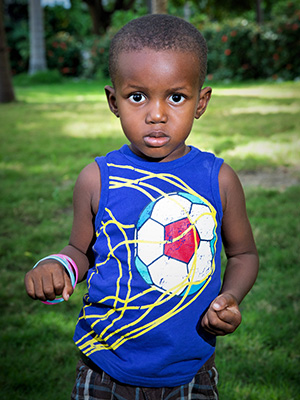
<point x="49" y="278"/>
<point x="223" y="315"/>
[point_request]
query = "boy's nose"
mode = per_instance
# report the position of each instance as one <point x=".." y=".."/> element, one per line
<point x="156" y="113"/>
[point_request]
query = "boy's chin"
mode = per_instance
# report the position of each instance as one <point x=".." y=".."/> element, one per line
<point x="159" y="153"/>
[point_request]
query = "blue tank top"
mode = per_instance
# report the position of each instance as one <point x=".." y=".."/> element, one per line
<point x="157" y="268"/>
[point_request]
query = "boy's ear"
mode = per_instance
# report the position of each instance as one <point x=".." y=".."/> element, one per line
<point x="111" y="99"/>
<point x="204" y="98"/>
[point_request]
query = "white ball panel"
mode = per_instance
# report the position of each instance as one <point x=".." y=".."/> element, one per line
<point x="197" y="211"/>
<point x="152" y="234"/>
<point x="169" y="274"/>
<point x="204" y="261"/>
<point x="205" y="226"/>
<point x="170" y="209"/>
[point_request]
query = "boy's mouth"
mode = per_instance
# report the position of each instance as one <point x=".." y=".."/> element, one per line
<point x="156" y="139"/>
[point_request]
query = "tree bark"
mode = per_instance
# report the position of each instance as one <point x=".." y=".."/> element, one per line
<point x="259" y="13"/>
<point x="96" y="11"/>
<point x="37" y="61"/>
<point x="101" y="18"/>
<point x="6" y="87"/>
<point x="159" y="6"/>
<point x="149" y="6"/>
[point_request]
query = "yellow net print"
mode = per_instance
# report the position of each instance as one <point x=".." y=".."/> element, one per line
<point x="173" y="251"/>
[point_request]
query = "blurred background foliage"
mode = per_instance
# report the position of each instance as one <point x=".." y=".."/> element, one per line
<point x="242" y="44"/>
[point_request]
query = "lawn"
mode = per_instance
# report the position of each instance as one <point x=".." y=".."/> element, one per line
<point x="49" y="135"/>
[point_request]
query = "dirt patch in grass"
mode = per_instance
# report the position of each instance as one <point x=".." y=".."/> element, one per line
<point x="280" y="178"/>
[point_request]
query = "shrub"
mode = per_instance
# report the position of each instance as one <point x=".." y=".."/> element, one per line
<point x="245" y="50"/>
<point x="64" y="54"/>
<point x="286" y="54"/>
<point x="18" y="45"/>
<point x="95" y="56"/>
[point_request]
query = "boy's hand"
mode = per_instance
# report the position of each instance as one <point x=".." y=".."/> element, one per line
<point x="223" y="315"/>
<point x="48" y="280"/>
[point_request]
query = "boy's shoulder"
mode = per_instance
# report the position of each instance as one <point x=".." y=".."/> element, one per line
<point x="228" y="178"/>
<point x="88" y="185"/>
<point x="89" y="174"/>
<point x="230" y="186"/>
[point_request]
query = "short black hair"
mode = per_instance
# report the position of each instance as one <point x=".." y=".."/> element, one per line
<point x="158" y="32"/>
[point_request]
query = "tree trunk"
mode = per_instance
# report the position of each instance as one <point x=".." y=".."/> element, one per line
<point x="101" y="17"/>
<point x="96" y="11"/>
<point x="159" y="6"/>
<point x="259" y="13"/>
<point x="187" y="11"/>
<point x="6" y="87"/>
<point x="149" y="6"/>
<point x="37" y="61"/>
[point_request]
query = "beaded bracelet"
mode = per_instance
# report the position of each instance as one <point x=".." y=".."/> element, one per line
<point x="70" y="267"/>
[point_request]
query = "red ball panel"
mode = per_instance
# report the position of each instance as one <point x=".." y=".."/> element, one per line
<point x="181" y="248"/>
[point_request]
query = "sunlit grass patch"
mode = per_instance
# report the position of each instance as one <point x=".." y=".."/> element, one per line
<point x="252" y="127"/>
<point x="283" y="90"/>
<point x="65" y="92"/>
<point x="276" y="150"/>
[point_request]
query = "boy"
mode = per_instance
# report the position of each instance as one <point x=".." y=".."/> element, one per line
<point x="154" y="213"/>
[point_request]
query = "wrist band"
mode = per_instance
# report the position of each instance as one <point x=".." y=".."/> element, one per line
<point x="70" y="267"/>
<point x="73" y="265"/>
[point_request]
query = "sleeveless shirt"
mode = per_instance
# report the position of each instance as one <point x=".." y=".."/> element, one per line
<point x="157" y="268"/>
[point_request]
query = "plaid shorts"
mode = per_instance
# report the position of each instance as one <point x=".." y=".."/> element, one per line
<point x="97" y="385"/>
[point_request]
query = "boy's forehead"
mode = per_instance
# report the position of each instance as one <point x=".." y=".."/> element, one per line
<point x="148" y="51"/>
<point x="133" y="60"/>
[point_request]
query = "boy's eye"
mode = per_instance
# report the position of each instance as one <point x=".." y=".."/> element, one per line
<point x="137" y="97"/>
<point x="177" y="98"/>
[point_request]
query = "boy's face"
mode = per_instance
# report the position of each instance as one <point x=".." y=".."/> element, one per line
<point x="157" y="96"/>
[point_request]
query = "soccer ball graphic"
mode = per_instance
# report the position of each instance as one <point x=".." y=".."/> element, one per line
<point x="175" y="237"/>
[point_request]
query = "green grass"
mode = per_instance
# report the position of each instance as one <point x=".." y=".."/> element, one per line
<point x="252" y="127"/>
<point x="54" y="131"/>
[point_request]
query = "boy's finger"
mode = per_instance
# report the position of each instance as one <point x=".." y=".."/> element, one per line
<point x="230" y="316"/>
<point x="220" y="328"/>
<point x="223" y="301"/>
<point x="58" y="281"/>
<point x="39" y="289"/>
<point x="220" y="303"/>
<point x="48" y="287"/>
<point x="211" y="322"/>
<point x="221" y="322"/>
<point x="68" y="288"/>
<point x="29" y="285"/>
